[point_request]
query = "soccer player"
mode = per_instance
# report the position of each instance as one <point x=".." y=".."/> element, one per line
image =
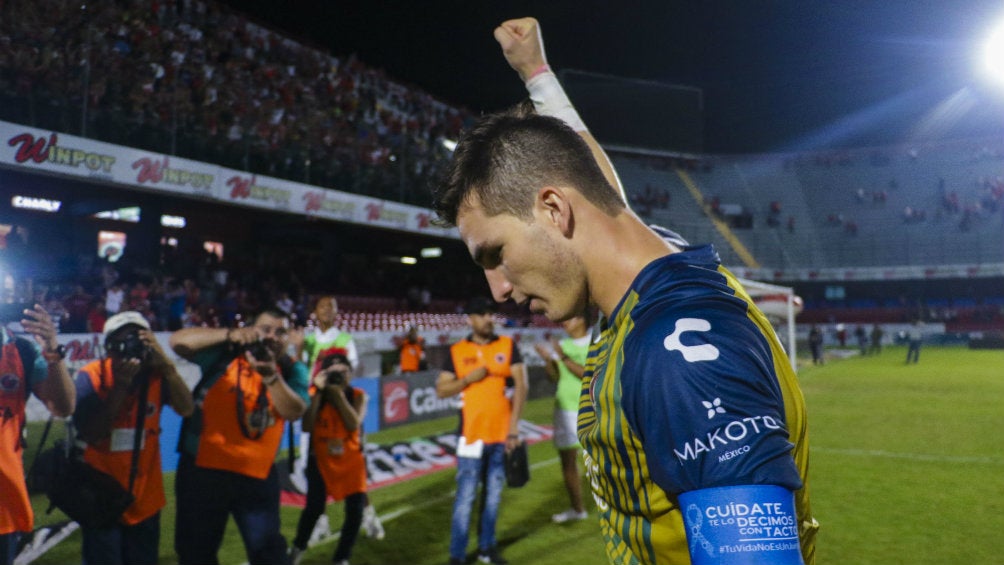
<point x="692" y="420"/>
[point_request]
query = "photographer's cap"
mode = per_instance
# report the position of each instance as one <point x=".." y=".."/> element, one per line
<point x="480" y="305"/>
<point x="123" y="319"/>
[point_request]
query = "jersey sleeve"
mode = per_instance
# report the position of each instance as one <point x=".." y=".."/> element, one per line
<point x="700" y="391"/>
<point x="39" y="370"/>
<point x="299" y="381"/>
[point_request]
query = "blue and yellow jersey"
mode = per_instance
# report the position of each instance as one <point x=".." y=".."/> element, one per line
<point x="687" y="388"/>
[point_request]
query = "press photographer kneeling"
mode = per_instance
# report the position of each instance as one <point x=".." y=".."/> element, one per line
<point x="250" y="386"/>
<point x="336" y="466"/>
<point x="119" y="399"/>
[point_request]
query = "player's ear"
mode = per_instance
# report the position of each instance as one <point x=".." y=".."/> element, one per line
<point x="554" y="209"/>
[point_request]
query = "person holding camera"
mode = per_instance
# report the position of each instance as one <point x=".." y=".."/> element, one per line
<point x="26" y="366"/>
<point x="249" y="388"/>
<point x="327" y="339"/>
<point x="119" y="397"/>
<point x="335" y="466"/>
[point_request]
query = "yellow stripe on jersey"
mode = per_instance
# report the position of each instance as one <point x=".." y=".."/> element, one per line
<point x="634" y="510"/>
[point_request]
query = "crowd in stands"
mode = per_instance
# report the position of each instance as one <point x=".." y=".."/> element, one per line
<point x="195" y="79"/>
<point x="649" y="199"/>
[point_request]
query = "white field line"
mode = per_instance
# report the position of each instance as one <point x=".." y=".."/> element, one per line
<point x="397" y="513"/>
<point x="909" y="456"/>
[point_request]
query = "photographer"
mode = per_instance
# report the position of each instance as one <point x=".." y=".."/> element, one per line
<point x="27" y="366"/>
<point x="136" y="377"/>
<point x="249" y="388"/>
<point x="336" y="466"/>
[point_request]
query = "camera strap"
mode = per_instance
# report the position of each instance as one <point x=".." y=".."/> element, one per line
<point x="137" y="440"/>
<point x="261" y="406"/>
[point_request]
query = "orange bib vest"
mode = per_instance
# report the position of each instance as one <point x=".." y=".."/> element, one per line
<point x="338" y="452"/>
<point x="15" y="507"/>
<point x="113" y="455"/>
<point x="486" y="410"/>
<point x="411" y="355"/>
<point x="222" y="443"/>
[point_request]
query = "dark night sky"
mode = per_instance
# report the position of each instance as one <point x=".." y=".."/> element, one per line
<point x="776" y="74"/>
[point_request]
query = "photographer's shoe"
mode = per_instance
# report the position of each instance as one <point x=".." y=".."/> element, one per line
<point x="491" y="556"/>
<point x="569" y="515"/>
<point x="372" y="526"/>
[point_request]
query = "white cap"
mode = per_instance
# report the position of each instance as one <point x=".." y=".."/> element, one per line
<point x="123" y="319"/>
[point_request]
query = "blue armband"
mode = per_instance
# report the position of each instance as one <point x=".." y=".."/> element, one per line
<point x="741" y="525"/>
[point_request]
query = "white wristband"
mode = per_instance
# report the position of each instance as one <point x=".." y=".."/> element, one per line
<point x="549" y="99"/>
<point x="555" y="356"/>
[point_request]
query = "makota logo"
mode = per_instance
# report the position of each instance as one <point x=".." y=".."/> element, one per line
<point x="395" y="401"/>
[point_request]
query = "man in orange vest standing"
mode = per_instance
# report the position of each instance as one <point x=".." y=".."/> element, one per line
<point x="412" y="351"/>
<point x="26" y="366"/>
<point x="135" y="375"/>
<point x="249" y="388"/>
<point x="479" y="369"/>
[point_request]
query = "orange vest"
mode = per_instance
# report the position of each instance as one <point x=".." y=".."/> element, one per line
<point x="486" y="410"/>
<point x="222" y="444"/>
<point x="15" y="507"/>
<point x="338" y="452"/>
<point x="113" y="455"/>
<point x="411" y="355"/>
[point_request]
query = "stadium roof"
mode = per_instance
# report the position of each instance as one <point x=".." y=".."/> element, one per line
<point x="777" y="75"/>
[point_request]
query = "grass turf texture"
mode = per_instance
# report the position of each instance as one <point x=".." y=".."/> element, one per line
<point x="907" y="467"/>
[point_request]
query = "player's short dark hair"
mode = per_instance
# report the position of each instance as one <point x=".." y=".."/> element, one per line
<point x="507" y="157"/>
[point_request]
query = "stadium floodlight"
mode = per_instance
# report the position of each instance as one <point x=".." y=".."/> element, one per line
<point x="993" y="54"/>
<point x="431" y="252"/>
<point x="409" y="260"/>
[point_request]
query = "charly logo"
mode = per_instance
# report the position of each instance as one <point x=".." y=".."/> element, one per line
<point x="714" y="407"/>
<point x="691" y="353"/>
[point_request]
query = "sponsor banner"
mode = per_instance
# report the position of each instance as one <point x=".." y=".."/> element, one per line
<point x="405" y="399"/>
<point x="412" y="398"/>
<point x="28" y="148"/>
<point x="387" y="464"/>
<point x="905" y="272"/>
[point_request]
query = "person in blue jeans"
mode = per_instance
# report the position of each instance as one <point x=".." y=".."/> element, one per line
<point x="479" y="368"/>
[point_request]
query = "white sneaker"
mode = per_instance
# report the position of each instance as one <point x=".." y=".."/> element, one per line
<point x="372" y="526"/>
<point x="569" y="515"/>
<point x="321" y="531"/>
<point x="342" y="562"/>
<point x="295" y="555"/>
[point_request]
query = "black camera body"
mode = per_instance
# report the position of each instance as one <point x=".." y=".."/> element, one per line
<point x="336" y="378"/>
<point x="128" y="346"/>
<point x="262" y="350"/>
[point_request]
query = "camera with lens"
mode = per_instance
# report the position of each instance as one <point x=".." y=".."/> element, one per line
<point x="336" y="378"/>
<point x="262" y="350"/>
<point x="128" y="346"/>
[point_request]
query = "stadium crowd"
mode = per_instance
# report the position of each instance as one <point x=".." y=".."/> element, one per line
<point x="197" y="80"/>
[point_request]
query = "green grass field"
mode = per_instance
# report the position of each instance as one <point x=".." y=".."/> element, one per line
<point x="907" y="468"/>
